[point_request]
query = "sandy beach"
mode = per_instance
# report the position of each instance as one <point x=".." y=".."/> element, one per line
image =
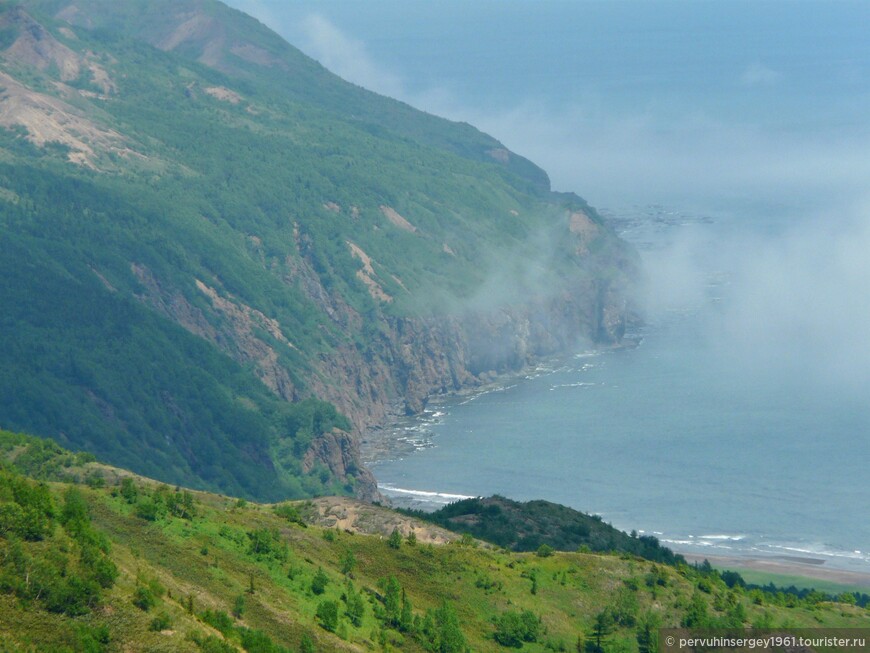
<point x="813" y="568"/>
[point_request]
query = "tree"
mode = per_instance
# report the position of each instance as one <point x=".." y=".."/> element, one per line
<point x="450" y="638"/>
<point x="647" y="633"/>
<point x="128" y="490"/>
<point x="601" y="629"/>
<point x="354" y="605"/>
<point x="319" y="582"/>
<point x="847" y="598"/>
<point x="348" y="561"/>
<point x="406" y="619"/>
<point x="625" y="608"/>
<point x="395" y="540"/>
<point x="392" y="601"/>
<point x="74" y="514"/>
<point x="696" y="616"/>
<point x="327" y="613"/>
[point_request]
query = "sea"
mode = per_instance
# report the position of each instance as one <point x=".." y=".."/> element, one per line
<point x="730" y="144"/>
<point x="676" y="435"/>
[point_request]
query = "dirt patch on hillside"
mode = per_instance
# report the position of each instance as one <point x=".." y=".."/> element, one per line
<point x="358" y="517"/>
<point x="582" y="226"/>
<point x="242" y="323"/>
<point x="48" y="119"/>
<point x="393" y="216"/>
<point x="367" y="274"/>
<point x="38" y="48"/>
<point x="225" y="94"/>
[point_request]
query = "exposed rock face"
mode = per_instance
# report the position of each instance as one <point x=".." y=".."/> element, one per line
<point x="413" y="357"/>
<point x="339" y="452"/>
<point x="323" y="337"/>
<point x="408" y="359"/>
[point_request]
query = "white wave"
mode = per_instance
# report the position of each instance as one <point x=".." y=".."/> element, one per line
<point x="589" y="353"/>
<point x="679" y="542"/>
<point x="578" y="384"/>
<point x="435" y="497"/>
<point x="731" y="538"/>
<point x="821" y="551"/>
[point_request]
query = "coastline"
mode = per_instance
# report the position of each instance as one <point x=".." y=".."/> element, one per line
<point x="806" y="568"/>
<point x="406" y="434"/>
<point x="381" y="441"/>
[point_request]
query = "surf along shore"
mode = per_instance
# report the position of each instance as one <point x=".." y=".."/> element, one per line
<point x="403" y="435"/>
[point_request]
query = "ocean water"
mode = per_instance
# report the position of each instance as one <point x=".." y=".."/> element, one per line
<point x="741" y="423"/>
<point x="665" y="437"/>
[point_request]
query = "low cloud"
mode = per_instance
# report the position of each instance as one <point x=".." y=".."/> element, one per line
<point x="791" y="303"/>
<point x="347" y="57"/>
<point x="799" y="303"/>
<point x="796" y="300"/>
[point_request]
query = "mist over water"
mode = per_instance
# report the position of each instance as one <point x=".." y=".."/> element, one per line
<point x="700" y="435"/>
<point x="731" y="143"/>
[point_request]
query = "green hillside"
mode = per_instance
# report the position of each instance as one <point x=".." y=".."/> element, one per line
<point x="200" y="227"/>
<point x="107" y="561"/>
<point x="529" y="525"/>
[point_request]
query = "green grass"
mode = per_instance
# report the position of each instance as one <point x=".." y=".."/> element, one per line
<point x="208" y="561"/>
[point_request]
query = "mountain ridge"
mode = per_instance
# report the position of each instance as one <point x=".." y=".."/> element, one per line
<point x="324" y="242"/>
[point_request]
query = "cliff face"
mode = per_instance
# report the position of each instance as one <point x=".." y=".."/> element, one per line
<point x="413" y="357"/>
<point x="395" y="363"/>
<point x="173" y="163"/>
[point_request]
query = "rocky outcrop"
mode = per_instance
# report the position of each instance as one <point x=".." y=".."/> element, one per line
<point x="339" y="452"/>
<point x="396" y="363"/>
<point x="413" y="358"/>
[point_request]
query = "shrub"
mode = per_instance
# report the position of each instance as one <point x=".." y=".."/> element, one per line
<point x="513" y="628"/>
<point x="291" y="514"/>
<point x="161" y="622"/>
<point x="143" y="598"/>
<point x="319" y="582"/>
<point x="239" y="606"/>
<point x="327" y="614"/>
<point x="219" y="620"/>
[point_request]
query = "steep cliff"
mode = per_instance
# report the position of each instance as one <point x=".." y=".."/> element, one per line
<point x="208" y="236"/>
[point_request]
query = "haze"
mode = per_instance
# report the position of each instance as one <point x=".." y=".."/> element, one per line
<point x="754" y="113"/>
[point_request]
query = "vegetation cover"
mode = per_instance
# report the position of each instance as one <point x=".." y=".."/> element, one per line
<point x="104" y="560"/>
<point x="200" y="227"/>
<point x="542" y="526"/>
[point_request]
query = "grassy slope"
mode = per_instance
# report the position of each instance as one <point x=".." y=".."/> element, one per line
<point x="210" y="559"/>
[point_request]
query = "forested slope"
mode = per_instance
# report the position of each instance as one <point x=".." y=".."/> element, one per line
<point x="202" y="227"/>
